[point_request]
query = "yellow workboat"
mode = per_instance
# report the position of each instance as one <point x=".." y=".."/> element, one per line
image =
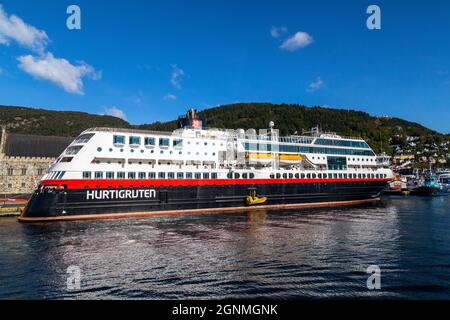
<point x="252" y="199"/>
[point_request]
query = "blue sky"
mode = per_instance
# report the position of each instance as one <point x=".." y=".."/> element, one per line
<point x="150" y="60"/>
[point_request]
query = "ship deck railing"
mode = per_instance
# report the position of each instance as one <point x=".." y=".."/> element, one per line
<point x="128" y="130"/>
<point x="232" y="132"/>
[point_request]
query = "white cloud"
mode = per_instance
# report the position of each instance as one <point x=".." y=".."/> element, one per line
<point x="59" y="71"/>
<point x="315" y="85"/>
<point x="14" y="28"/>
<point x="297" y="41"/>
<point x="116" y="112"/>
<point x="44" y="65"/>
<point x="170" y="96"/>
<point x="175" y="78"/>
<point x="276" y="32"/>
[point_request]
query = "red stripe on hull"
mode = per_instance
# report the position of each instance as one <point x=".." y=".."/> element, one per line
<point x="127" y="183"/>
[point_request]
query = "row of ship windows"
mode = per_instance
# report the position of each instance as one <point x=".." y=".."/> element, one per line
<point x="305" y="149"/>
<point x="231" y="175"/>
<point x="320" y="141"/>
<point x="213" y="175"/>
<point x="348" y="159"/>
<point x="341" y="143"/>
<point x="149" y="175"/>
<point x="99" y="149"/>
<point x="151" y="141"/>
<point x="326" y="175"/>
<point x="135" y="140"/>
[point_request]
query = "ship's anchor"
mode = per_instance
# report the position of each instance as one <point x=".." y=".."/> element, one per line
<point x="252" y="199"/>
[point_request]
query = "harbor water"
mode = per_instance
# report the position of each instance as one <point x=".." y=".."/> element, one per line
<point x="291" y="254"/>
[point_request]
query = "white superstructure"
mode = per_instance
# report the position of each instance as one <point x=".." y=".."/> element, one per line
<point x="193" y="152"/>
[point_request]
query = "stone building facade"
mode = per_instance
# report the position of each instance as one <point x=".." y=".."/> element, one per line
<point x="24" y="159"/>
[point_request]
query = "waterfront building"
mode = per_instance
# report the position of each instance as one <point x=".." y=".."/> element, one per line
<point x="24" y="160"/>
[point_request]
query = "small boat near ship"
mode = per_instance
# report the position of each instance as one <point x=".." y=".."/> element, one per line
<point x="398" y="186"/>
<point x="444" y="179"/>
<point x="431" y="187"/>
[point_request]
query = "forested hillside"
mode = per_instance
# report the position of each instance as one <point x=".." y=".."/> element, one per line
<point x="289" y="118"/>
<point x="53" y="123"/>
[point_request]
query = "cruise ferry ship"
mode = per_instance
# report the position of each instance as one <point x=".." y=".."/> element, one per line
<point x="115" y="173"/>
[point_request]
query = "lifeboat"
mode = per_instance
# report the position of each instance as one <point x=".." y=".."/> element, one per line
<point x="290" y="158"/>
<point x="252" y="199"/>
<point x="259" y="157"/>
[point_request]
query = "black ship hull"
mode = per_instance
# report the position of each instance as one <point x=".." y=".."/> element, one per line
<point x="111" y="202"/>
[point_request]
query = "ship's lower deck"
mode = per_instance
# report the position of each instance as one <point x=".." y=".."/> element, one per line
<point x="59" y="204"/>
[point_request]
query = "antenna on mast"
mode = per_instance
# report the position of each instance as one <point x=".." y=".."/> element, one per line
<point x="381" y="142"/>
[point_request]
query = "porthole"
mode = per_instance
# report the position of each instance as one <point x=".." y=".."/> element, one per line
<point x="99" y="149"/>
